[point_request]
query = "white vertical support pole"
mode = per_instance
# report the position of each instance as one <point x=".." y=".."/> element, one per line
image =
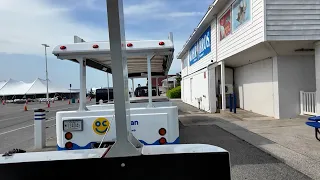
<point x="39" y="128"/>
<point x="108" y="86"/>
<point x="82" y="98"/>
<point x="132" y="81"/>
<point x="149" y="57"/>
<point x="171" y="36"/>
<point x="157" y="87"/>
<point x="126" y="144"/>
<point x="223" y="86"/>
<point x="317" y="66"/>
<point x="301" y="102"/>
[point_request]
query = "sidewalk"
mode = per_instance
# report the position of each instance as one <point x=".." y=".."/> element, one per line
<point x="289" y="140"/>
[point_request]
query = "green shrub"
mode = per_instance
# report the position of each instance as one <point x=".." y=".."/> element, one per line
<point x="174" y="93"/>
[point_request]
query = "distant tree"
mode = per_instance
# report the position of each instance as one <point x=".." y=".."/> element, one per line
<point x="178" y="79"/>
<point x="91" y="94"/>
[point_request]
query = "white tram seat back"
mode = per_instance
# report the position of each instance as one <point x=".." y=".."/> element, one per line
<point x="145" y="126"/>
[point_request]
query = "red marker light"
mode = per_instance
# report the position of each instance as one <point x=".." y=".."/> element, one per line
<point x="95" y="46"/>
<point x="162" y="140"/>
<point x="162" y="131"/>
<point x="68" y="135"/>
<point x="69" y="145"/>
<point x="161" y="43"/>
<point x="63" y="47"/>
<point x="129" y="45"/>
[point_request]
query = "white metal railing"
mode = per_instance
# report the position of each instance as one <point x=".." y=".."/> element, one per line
<point x="307" y="103"/>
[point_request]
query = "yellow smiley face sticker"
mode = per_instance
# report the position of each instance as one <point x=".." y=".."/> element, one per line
<point x="101" y="125"/>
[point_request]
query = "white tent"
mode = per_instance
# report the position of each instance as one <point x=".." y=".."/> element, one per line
<point x="13" y="87"/>
<point x="39" y="86"/>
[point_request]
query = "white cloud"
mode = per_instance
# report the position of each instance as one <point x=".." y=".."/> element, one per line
<point x="148" y="7"/>
<point x="26" y="24"/>
<point x="184" y="14"/>
<point x="155" y="9"/>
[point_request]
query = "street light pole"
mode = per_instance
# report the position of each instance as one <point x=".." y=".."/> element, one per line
<point x="45" y="52"/>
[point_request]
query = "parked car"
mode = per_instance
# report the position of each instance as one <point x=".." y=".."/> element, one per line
<point x="143" y="91"/>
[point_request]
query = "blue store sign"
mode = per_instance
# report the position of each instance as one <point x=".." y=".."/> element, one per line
<point x="201" y="48"/>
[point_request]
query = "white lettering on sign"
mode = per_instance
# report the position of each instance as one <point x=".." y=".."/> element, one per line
<point x="204" y="43"/>
<point x="201" y="48"/>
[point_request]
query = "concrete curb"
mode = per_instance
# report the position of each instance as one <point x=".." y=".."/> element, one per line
<point x="304" y="164"/>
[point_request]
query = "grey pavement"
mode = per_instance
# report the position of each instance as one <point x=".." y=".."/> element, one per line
<point x="290" y="140"/>
<point x="247" y="160"/>
<point x="16" y="125"/>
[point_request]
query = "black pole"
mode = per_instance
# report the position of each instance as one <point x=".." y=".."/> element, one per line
<point x="230" y="102"/>
<point x="234" y="103"/>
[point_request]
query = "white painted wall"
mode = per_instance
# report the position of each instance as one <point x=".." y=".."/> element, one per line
<point x="185" y="90"/>
<point x="198" y="88"/>
<point x="247" y="35"/>
<point x="295" y="74"/>
<point x="293" y="19"/>
<point x="254" y="85"/>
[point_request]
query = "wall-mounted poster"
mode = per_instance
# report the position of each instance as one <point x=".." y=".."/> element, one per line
<point x="241" y="12"/>
<point x="225" y="25"/>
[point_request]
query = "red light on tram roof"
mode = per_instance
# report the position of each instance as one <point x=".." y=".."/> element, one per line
<point x="63" y="47"/>
<point x="95" y="46"/>
<point x="161" y="43"/>
<point x="129" y="45"/>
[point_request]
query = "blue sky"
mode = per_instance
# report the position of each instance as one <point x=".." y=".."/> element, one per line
<point x="26" y="24"/>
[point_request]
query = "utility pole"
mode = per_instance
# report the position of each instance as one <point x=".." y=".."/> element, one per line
<point x="45" y="52"/>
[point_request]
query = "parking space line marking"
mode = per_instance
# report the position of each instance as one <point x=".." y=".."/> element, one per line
<point x="14" y="117"/>
<point x="31" y="114"/>
<point x="13" y="130"/>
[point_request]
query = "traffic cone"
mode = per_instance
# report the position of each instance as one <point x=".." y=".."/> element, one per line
<point x="25" y="107"/>
<point x="49" y="104"/>
<point x="69" y="101"/>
